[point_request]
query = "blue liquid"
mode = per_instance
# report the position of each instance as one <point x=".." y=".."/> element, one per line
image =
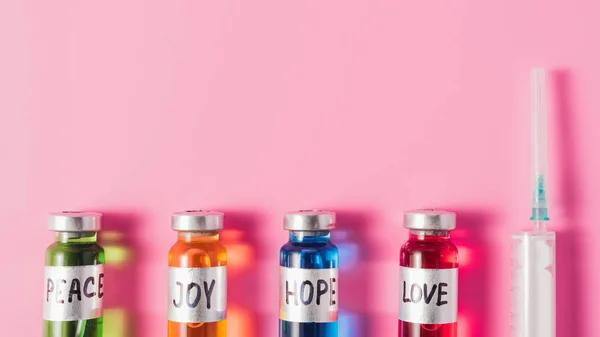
<point x="312" y="252"/>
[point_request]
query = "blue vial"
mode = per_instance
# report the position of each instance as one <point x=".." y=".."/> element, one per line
<point x="308" y="305"/>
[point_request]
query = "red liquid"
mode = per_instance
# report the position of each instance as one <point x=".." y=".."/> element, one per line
<point x="432" y="252"/>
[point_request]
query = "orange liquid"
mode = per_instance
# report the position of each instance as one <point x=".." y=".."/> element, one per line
<point x="194" y="251"/>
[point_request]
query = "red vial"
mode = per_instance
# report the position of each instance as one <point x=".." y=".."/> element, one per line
<point x="428" y="276"/>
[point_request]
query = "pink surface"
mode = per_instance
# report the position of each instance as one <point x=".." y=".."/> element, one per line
<point x="141" y="108"/>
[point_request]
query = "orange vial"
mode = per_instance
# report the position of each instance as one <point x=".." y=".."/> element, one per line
<point x="197" y="276"/>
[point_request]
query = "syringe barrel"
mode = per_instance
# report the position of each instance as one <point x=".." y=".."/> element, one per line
<point x="534" y="283"/>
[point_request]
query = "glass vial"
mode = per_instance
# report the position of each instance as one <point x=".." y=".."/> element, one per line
<point x="74" y="276"/>
<point x="428" y="276"/>
<point x="197" y="276"/>
<point x="308" y="302"/>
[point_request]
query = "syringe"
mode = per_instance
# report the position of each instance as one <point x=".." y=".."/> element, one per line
<point x="533" y="252"/>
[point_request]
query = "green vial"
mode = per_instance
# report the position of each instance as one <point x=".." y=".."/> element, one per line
<point x="74" y="276"/>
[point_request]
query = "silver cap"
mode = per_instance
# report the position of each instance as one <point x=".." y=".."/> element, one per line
<point x="197" y="220"/>
<point x="429" y="219"/>
<point x="309" y="220"/>
<point x="74" y="221"/>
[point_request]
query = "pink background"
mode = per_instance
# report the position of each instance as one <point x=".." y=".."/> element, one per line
<point x="140" y="108"/>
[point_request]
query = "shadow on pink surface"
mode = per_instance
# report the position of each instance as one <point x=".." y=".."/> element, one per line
<point x="119" y="239"/>
<point x="351" y="236"/>
<point x="245" y="250"/>
<point x="569" y="262"/>
<point x="474" y="255"/>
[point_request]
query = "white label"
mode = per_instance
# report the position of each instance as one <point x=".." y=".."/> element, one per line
<point x="308" y="295"/>
<point x="428" y="296"/>
<point x="73" y="293"/>
<point x="197" y="295"/>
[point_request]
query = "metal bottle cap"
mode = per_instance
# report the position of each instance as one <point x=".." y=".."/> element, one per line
<point x="309" y="220"/>
<point x="74" y="221"/>
<point x="429" y="219"/>
<point x="197" y="220"/>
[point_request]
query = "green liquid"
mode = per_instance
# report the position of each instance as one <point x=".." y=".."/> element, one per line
<point x="74" y="252"/>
